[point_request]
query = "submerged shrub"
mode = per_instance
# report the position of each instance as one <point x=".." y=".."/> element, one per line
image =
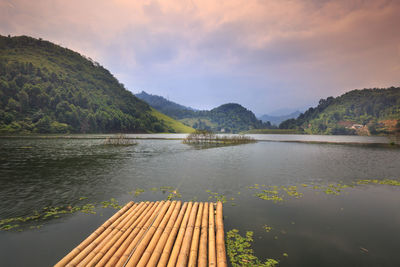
<point x="207" y="137"/>
<point x="119" y="140"/>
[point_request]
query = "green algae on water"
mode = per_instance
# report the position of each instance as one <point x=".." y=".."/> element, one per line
<point x="240" y="252"/>
<point x="216" y="196"/>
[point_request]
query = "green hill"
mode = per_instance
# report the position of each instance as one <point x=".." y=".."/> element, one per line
<point x="164" y="105"/>
<point x="234" y="118"/>
<point x="46" y="88"/>
<point x="230" y="118"/>
<point x="363" y="112"/>
<point x="178" y="126"/>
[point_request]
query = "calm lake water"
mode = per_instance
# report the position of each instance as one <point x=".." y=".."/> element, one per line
<point x="358" y="226"/>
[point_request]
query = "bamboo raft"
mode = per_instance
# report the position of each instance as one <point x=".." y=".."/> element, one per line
<point x="159" y="234"/>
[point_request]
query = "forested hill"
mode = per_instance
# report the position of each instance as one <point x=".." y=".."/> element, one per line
<point x="229" y="118"/>
<point x="363" y="112"/>
<point x="163" y="105"/>
<point x="233" y="117"/>
<point x="46" y="88"/>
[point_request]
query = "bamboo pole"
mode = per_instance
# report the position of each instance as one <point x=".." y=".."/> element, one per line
<point x="211" y="236"/>
<point x="122" y="248"/>
<point x="115" y="232"/>
<point x="221" y="252"/>
<point x="108" y="249"/>
<point x="195" y="239"/>
<point x="187" y="240"/>
<point x="168" y="218"/>
<point x="78" y="258"/>
<point x="143" y="229"/>
<point x="203" y="238"/>
<point x="125" y="235"/>
<point x="161" y="253"/>
<point x="93" y="236"/>
<point x="140" y="248"/>
<point x="178" y="242"/>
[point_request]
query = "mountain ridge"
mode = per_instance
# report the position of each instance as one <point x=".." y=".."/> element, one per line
<point x="45" y="88"/>
<point x="229" y="118"/>
<point x="362" y="112"/>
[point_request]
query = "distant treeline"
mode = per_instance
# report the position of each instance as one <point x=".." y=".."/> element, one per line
<point x="367" y="111"/>
<point x="230" y="118"/>
<point x="45" y="88"/>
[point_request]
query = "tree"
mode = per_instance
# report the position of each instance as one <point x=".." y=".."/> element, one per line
<point x="23" y="100"/>
<point x="43" y="125"/>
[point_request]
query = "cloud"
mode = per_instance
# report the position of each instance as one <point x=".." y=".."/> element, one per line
<point x="263" y="54"/>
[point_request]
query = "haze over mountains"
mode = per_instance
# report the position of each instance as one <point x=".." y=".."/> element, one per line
<point x="276" y="120"/>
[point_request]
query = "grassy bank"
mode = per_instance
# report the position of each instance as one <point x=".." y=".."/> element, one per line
<point x="178" y="127"/>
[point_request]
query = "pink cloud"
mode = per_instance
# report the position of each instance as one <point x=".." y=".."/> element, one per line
<point x="322" y="47"/>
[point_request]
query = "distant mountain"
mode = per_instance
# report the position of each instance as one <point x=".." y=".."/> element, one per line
<point x="45" y="88"/>
<point x="363" y="112"/>
<point x="160" y="103"/>
<point x="233" y="117"/>
<point x="225" y="118"/>
<point x="276" y="120"/>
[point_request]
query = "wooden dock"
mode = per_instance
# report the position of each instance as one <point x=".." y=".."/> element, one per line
<point x="165" y="233"/>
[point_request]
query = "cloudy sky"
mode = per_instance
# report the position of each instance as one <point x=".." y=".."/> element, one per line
<point x="266" y="55"/>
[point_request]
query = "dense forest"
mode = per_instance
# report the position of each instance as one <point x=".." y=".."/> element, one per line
<point x="363" y="112"/>
<point x="229" y="118"/>
<point x="165" y="106"/>
<point x="45" y="88"/>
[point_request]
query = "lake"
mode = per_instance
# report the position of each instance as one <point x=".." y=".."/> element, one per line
<point x="308" y="204"/>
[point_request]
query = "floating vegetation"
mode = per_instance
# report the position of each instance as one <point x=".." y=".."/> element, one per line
<point x="267" y="228"/>
<point x="137" y="192"/>
<point x="383" y="182"/>
<point x="119" y="140"/>
<point x="292" y="191"/>
<point x="167" y="188"/>
<point x="8" y="227"/>
<point x="279" y="193"/>
<point x="216" y="196"/>
<point x="48" y="213"/>
<point x="113" y="203"/>
<point x="269" y="195"/>
<point x="204" y="137"/>
<point x="174" y="194"/>
<point x="240" y="252"/>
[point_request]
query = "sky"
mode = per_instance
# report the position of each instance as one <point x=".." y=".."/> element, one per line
<point x="267" y="55"/>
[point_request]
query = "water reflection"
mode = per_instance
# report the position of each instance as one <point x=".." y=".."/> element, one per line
<point x="314" y="230"/>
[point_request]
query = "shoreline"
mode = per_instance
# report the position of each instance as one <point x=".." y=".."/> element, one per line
<point x="390" y="144"/>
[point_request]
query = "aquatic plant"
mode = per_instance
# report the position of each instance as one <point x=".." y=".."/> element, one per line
<point x="217" y="196"/>
<point x="137" y="192"/>
<point x="200" y="137"/>
<point x="269" y="195"/>
<point x="382" y="182"/>
<point x="48" y="213"/>
<point x="113" y="203"/>
<point x="278" y="194"/>
<point x="119" y="140"/>
<point x="240" y="252"/>
<point x="174" y="194"/>
<point x="267" y="228"/>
